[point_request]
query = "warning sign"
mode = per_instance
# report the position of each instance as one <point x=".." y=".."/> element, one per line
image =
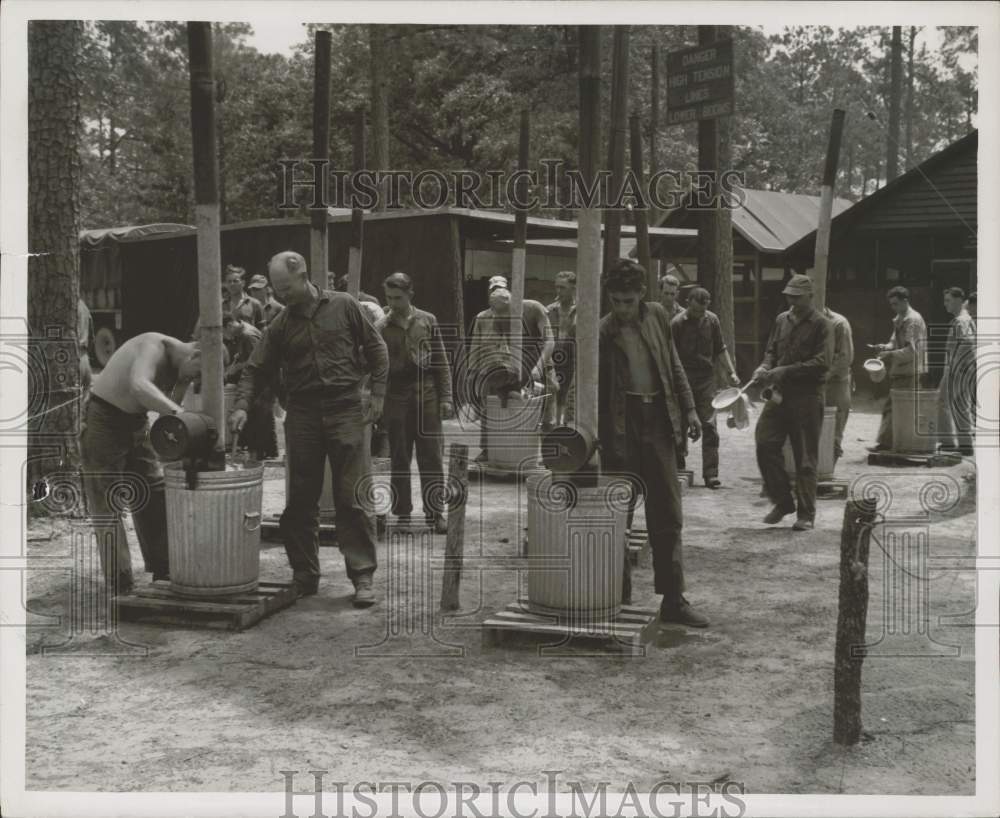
<point x="700" y="83"/>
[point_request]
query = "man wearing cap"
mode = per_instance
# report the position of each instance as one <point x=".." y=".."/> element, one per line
<point x="905" y="357"/>
<point x="795" y="365"/>
<point x="697" y="334"/>
<point x="417" y="399"/>
<point x="237" y="303"/>
<point x="491" y="351"/>
<point x="562" y="318"/>
<point x="838" y="382"/>
<point x="259" y="289"/>
<point x="325" y="346"/>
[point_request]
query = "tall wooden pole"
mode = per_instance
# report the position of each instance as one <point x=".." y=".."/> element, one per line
<point x="826" y="209"/>
<point x="458" y="490"/>
<point x="654" y="127"/>
<point x="616" y="144"/>
<point x="206" y="194"/>
<point x="319" y="253"/>
<point x="519" y="260"/>
<point x="715" y="228"/>
<point x="852" y="613"/>
<point x="641" y="214"/>
<point x="588" y="251"/>
<point x="380" y="106"/>
<point x="357" y="214"/>
<point x="895" y="95"/>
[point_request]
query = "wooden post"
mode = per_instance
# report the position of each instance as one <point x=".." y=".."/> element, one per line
<point x="641" y="213"/>
<point x="319" y="253"/>
<point x="458" y="489"/>
<point x="206" y="193"/>
<point x="357" y="215"/>
<point x="855" y="535"/>
<point x="519" y="260"/>
<point x="380" y="68"/>
<point x="822" y="253"/>
<point x="616" y="144"/>
<point x="588" y="253"/>
<point x="654" y="110"/>
<point x="895" y="93"/>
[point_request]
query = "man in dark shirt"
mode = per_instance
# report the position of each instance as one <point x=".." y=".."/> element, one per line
<point x="417" y="399"/>
<point x="698" y="336"/>
<point x="645" y="408"/>
<point x="325" y="347"/>
<point x="795" y="366"/>
<point x="237" y="303"/>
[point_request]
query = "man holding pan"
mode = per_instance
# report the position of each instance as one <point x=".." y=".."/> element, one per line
<point x="697" y="335"/>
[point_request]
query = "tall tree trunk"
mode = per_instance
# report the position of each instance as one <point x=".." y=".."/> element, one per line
<point x="54" y="132"/>
<point x="895" y="92"/>
<point x="380" y="106"/>
<point x="909" y="99"/>
<point x="616" y="143"/>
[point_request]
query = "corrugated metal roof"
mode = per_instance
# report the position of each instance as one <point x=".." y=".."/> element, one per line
<point x="132" y="232"/>
<point x="772" y="221"/>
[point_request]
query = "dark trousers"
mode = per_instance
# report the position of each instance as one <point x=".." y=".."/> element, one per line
<point x="838" y="394"/>
<point x="885" y="428"/>
<point x="260" y="435"/>
<point x="413" y="420"/>
<point x="799" y="419"/>
<point x="314" y="431"/>
<point x="703" y="389"/>
<point x="119" y="464"/>
<point x="650" y="461"/>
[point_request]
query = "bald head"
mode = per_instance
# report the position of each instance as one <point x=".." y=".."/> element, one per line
<point x="289" y="277"/>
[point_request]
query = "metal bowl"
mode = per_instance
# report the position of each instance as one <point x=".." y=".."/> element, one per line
<point x="875" y="369"/>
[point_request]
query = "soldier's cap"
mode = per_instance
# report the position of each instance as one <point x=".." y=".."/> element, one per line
<point x="257" y="281"/>
<point x="798" y="285"/>
<point x="497" y="281"/>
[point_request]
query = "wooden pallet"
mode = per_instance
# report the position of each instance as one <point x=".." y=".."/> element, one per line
<point x="831" y="489"/>
<point x="930" y="459"/>
<point x="517" y="626"/>
<point x="157" y="604"/>
<point x="637" y="544"/>
<point x="500" y="473"/>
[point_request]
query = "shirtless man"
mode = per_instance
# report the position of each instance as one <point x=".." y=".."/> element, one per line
<point x="147" y="373"/>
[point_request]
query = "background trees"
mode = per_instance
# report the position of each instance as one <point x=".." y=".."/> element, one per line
<point x="453" y="95"/>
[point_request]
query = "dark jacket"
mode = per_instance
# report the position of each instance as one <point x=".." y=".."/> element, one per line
<point x="654" y="327"/>
<point x="797" y="351"/>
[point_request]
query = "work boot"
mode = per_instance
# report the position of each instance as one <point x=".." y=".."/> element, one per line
<point x="482" y="457"/>
<point x="877" y="448"/>
<point x="681" y="613"/>
<point x="364" y="596"/>
<point x="802" y="524"/>
<point x="306" y="587"/>
<point x="437" y="523"/>
<point x="713" y="482"/>
<point x="776" y="514"/>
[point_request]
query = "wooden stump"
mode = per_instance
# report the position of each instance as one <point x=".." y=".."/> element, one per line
<point x="855" y="535"/>
<point x="458" y="490"/>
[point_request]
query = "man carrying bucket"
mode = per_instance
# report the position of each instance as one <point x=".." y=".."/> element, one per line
<point x="794" y="367"/>
<point x="645" y="407"/>
<point x="148" y="373"/>
<point x="325" y="346"/>
<point x="697" y="334"/>
<point x="905" y="356"/>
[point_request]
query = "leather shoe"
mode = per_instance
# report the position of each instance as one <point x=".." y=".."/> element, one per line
<point x="713" y="482"/>
<point x="776" y="514"/>
<point x="877" y="448"/>
<point x="802" y="524"/>
<point x="364" y="596"/>
<point x="682" y="613"/>
<point x="305" y="587"/>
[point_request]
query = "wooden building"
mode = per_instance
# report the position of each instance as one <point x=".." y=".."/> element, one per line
<point x="918" y="231"/>
<point x="766" y="224"/>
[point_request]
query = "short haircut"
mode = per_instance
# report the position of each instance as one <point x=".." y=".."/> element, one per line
<point x="955" y="292"/>
<point x="624" y="276"/>
<point x="293" y="262"/>
<point x="230" y="269"/>
<point x="399" y="281"/>
<point x="567" y="276"/>
<point x="898" y="292"/>
<point x="700" y="294"/>
<point x="669" y="278"/>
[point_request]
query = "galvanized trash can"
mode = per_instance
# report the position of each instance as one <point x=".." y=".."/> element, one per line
<point x="512" y="431"/>
<point x="914" y="420"/>
<point x="576" y="546"/>
<point x="827" y="436"/>
<point x="213" y="530"/>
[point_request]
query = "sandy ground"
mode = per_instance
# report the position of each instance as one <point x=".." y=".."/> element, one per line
<point x="324" y="686"/>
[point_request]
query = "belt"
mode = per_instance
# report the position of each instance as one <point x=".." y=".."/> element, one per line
<point x="645" y="397"/>
<point x="109" y="405"/>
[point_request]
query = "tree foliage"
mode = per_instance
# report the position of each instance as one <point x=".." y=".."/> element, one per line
<point x="454" y="98"/>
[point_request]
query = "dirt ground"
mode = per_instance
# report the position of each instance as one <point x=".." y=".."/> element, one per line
<point x="324" y="686"/>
